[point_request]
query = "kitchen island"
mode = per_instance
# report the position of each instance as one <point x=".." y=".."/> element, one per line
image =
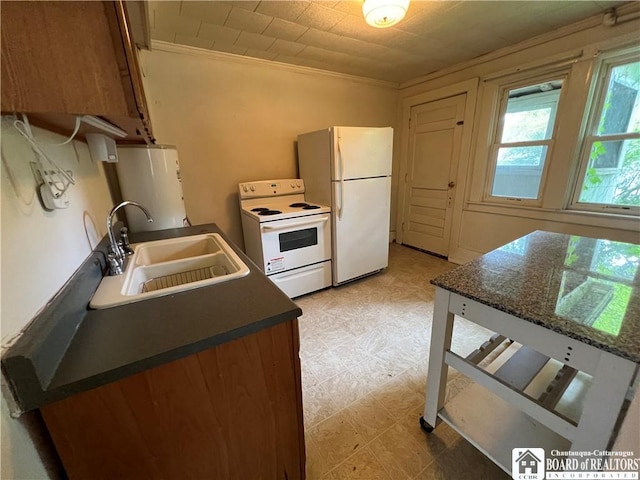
<point x="561" y="366"/>
<point x="203" y="383"/>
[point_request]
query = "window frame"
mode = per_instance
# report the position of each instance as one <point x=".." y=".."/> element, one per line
<point x="589" y="136"/>
<point x="495" y="143"/>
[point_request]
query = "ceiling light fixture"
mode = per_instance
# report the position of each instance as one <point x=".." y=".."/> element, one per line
<point x="384" y="13"/>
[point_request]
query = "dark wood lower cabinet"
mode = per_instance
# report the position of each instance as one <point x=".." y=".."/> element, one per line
<point x="230" y="412"/>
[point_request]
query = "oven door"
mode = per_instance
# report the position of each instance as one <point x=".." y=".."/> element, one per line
<point x="295" y="242"/>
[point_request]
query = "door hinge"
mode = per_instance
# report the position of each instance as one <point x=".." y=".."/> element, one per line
<point x="409" y="123"/>
<point x="403" y="226"/>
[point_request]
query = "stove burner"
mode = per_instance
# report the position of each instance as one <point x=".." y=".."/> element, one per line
<point x="266" y="211"/>
<point x="300" y="204"/>
<point x="259" y="209"/>
<point x="310" y="207"/>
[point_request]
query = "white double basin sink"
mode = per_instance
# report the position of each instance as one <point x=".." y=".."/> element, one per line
<point x="163" y="267"/>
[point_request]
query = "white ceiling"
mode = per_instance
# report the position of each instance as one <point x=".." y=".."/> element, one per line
<point x="333" y="35"/>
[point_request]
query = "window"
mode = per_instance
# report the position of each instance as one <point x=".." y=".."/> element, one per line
<point x="523" y="139"/>
<point x="610" y="159"/>
<point x="560" y="139"/>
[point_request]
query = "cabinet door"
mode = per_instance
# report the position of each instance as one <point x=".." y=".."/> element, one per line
<point x="60" y="57"/>
<point x="129" y="68"/>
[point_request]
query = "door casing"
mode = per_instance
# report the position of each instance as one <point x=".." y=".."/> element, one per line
<point x="470" y="88"/>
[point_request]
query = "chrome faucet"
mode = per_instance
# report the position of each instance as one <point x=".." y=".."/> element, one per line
<point x="117" y="254"/>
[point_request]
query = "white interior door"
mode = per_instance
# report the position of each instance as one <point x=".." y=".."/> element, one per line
<point x="435" y="139"/>
<point x="362" y="152"/>
<point x="361" y="227"/>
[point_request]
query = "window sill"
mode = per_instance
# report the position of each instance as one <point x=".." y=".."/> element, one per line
<point x="618" y="221"/>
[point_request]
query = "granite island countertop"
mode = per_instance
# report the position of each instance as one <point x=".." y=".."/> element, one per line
<point x="69" y="348"/>
<point x="585" y="288"/>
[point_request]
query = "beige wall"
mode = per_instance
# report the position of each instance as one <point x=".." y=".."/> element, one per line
<point x="235" y="119"/>
<point x="479" y="227"/>
<point x="40" y="251"/>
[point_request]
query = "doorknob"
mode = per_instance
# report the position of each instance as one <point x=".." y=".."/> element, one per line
<point x="452" y="184"/>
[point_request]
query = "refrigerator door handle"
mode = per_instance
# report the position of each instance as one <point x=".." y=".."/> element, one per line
<point x="341" y="180"/>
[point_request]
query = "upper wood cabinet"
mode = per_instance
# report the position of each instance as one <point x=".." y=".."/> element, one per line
<point x="62" y="59"/>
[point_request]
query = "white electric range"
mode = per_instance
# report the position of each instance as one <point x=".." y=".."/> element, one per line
<point x="287" y="237"/>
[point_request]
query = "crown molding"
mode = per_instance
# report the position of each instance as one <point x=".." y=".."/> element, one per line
<point x="244" y="60"/>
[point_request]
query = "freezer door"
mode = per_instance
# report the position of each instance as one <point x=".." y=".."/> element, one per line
<point x="361" y="152"/>
<point x="361" y="227"/>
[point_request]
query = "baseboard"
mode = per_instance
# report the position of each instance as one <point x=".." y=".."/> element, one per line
<point x="461" y="256"/>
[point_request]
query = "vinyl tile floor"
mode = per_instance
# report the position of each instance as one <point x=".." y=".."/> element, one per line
<point x="364" y="353"/>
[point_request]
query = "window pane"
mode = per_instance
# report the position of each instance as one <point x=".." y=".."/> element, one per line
<point x="526" y="125"/>
<point x="613" y="174"/>
<point x="531" y="112"/>
<point x="521" y="156"/>
<point x="518" y="172"/>
<point x="621" y="110"/>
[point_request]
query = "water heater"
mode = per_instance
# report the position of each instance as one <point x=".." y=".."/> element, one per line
<point x="151" y="175"/>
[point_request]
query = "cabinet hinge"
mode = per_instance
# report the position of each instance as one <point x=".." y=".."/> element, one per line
<point x="409" y="123"/>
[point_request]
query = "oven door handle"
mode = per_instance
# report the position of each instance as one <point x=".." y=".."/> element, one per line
<point x="293" y="224"/>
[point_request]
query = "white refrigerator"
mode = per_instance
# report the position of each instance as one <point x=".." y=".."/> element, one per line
<point x="349" y="168"/>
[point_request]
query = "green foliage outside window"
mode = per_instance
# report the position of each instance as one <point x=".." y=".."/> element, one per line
<point x="613" y="172"/>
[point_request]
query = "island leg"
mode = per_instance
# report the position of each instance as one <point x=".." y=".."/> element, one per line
<point x="441" y="331"/>
<point x="603" y="402"/>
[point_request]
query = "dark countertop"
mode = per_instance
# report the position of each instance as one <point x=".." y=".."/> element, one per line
<point x="68" y="349"/>
<point x="585" y="288"/>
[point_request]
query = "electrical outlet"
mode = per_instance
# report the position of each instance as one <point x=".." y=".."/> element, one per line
<point x="52" y="198"/>
<point x="51" y="202"/>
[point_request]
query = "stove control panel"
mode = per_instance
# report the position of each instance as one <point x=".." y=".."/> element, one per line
<point x="271" y="188"/>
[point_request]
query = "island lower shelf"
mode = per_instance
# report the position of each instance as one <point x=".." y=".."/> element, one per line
<point x="495" y="436"/>
<point x="491" y="414"/>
